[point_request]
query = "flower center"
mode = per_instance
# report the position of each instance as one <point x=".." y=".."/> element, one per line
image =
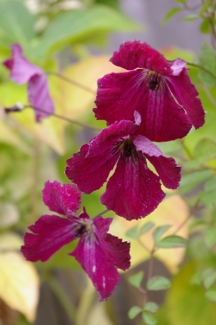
<point x="84" y="228"/>
<point x="153" y="80"/>
<point x="126" y="149"/>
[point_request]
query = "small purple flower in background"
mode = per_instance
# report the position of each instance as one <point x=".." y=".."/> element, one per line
<point x="133" y="191"/>
<point x="22" y="71"/>
<point x="160" y="90"/>
<point x="99" y="253"/>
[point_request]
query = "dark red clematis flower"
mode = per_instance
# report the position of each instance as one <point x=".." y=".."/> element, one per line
<point x="160" y="90"/>
<point x="22" y="71"/>
<point x="133" y="191"/>
<point x="99" y="253"/>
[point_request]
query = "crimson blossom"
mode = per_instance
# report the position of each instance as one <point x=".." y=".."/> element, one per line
<point x="133" y="191"/>
<point x="22" y="71"/>
<point x="160" y="90"/>
<point x="99" y="253"/>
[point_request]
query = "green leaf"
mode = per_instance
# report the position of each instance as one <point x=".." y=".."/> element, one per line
<point x="193" y="179"/>
<point x="159" y="231"/>
<point x="152" y="307"/>
<point x="186" y="303"/>
<point x="134" y="311"/>
<point x="170" y="14"/>
<point x="205" y="26"/>
<point x="172" y="241"/>
<point x="132" y="233"/>
<point x="209" y="277"/>
<point x="136" y="279"/>
<point x="207" y="59"/>
<point x="149" y="319"/>
<point x="205" y="150"/>
<point x="16" y="22"/>
<point x="208" y="196"/>
<point x="77" y="25"/>
<point x="210" y="237"/>
<point x="158" y="283"/>
<point x="205" y="6"/>
<point x="190" y="17"/>
<point x="196" y="279"/>
<point x="211" y="294"/>
<point x="146" y="227"/>
<point x="181" y="1"/>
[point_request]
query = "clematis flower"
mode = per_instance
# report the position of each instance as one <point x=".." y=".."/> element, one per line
<point x="160" y="90"/>
<point x="22" y="71"/>
<point x="99" y="253"/>
<point x="134" y="190"/>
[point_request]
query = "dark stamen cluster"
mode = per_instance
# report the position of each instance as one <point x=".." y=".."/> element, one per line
<point x="154" y="81"/>
<point x="126" y="149"/>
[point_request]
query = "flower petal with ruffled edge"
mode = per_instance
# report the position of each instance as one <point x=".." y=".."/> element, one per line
<point x="63" y="199"/>
<point x="99" y="253"/>
<point x="101" y="257"/>
<point x="90" y="167"/>
<point x="22" y="71"/>
<point x="48" y="235"/>
<point x="133" y="191"/>
<point x="159" y="90"/>
<point x="168" y="171"/>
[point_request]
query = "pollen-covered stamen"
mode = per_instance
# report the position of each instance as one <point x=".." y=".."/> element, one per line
<point x="126" y="149"/>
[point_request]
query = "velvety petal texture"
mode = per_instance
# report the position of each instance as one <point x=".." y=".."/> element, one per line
<point x="48" y="235"/>
<point x="158" y="89"/>
<point x="90" y="167"/>
<point x="133" y="191"/>
<point x="62" y="198"/>
<point x="101" y="257"/>
<point x="22" y="71"/>
<point x="99" y="253"/>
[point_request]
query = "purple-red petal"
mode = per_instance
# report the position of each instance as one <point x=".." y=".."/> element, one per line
<point x="133" y="191"/>
<point x="100" y="258"/>
<point x="168" y="171"/>
<point x="133" y="55"/>
<point x="39" y="97"/>
<point x="90" y="167"/>
<point x="21" y="70"/>
<point x="48" y="235"/>
<point x="61" y="198"/>
<point x="186" y="95"/>
<point x="120" y="94"/>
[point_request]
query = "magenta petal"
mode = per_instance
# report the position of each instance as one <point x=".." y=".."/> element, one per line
<point x="39" y="97"/>
<point x="186" y="95"/>
<point x="90" y="167"/>
<point x="49" y="234"/>
<point x="168" y="171"/>
<point x="63" y="199"/>
<point x="100" y="258"/>
<point x="120" y="94"/>
<point x="133" y="55"/>
<point x="21" y="70"/>
<point x="133" y="191"/>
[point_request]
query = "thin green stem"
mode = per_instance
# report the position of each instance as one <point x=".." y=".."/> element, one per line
<point x="201" y="68"/>
<point x="101" y="213"/>
<point x="64" y="118"/>
<point x="74" y="83"/>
